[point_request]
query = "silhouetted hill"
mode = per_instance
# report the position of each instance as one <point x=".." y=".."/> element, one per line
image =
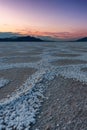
<point x="82" y="40"/>
<point x="21" y="39"/>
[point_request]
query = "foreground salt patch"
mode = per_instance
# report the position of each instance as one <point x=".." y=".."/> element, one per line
<point x="19" y="111"/>
<point x="3" y="82"/>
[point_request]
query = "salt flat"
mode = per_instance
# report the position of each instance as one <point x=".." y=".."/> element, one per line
<point x="30" y="69"/>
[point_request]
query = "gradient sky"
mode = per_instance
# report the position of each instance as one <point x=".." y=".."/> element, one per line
<point x="56" y="18"/>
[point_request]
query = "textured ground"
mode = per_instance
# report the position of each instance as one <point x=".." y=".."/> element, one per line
<point x="65" y="106"/>
<point x="43" y="86"/>
<point x="17" y="78"/>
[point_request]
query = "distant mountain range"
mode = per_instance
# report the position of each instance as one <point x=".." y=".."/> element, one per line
<point x="11" y="37"/>
<point x="82" y="40"/>
<point x="21" y="39"/>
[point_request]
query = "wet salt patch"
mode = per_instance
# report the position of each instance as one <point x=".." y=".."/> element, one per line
<point x="3" y="82"/>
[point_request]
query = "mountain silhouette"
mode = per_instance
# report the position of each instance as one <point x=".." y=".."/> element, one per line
<point x="82" y="40"/>
<point x="21" y="39"/>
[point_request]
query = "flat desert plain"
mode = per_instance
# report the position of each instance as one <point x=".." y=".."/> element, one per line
<point x="43" y="86"/>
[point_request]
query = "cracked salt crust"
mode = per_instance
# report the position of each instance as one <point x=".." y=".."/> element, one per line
<point x="20" y="109"/>
<point x="3" y="82"/>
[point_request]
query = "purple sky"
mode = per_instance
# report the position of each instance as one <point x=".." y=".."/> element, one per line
<point x="56" y="18"/>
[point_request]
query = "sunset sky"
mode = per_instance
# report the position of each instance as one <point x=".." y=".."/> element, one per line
<point x="65" y="19"/>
